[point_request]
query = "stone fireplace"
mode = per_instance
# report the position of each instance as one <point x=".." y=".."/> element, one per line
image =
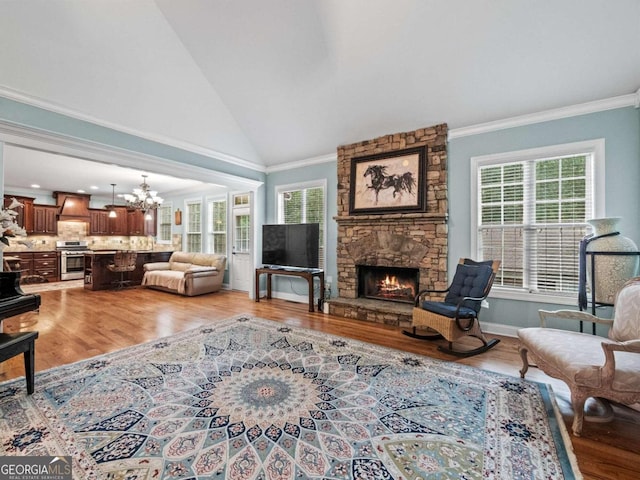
<point x="411" y="241"/>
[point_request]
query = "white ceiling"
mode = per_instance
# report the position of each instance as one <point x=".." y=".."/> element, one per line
<point x="269" y="82"/>
<point x="53" y="172"/>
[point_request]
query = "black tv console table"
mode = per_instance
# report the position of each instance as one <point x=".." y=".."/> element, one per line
<point x="309" y="275"/>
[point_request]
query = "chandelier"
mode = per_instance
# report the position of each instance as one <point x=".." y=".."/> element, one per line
<point x="143" y="198"/>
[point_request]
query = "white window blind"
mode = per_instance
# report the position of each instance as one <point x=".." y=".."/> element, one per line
<point x="164" y="223"/>
<point x="304" y="204"/>
<point x="532" y="215"/>
<point x="194" y="226"/>
<point x="217" y="230"/>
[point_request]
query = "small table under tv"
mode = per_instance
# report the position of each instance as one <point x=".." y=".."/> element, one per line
<point x="309" y="274"/>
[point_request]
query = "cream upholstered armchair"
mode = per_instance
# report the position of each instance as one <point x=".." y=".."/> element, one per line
<point x="592" y="366"/>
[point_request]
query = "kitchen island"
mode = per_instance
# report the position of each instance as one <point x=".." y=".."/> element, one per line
<point x="98" y="277"/>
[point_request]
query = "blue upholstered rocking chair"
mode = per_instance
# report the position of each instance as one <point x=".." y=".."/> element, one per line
<point x="457" y="315"/>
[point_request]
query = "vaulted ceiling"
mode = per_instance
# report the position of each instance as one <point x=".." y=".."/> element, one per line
<point x="275" y="81"/>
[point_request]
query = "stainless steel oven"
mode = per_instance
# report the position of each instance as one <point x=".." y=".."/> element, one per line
<point x="72" y="259"/>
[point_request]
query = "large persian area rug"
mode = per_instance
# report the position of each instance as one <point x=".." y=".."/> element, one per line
<point x="247" y="398"/>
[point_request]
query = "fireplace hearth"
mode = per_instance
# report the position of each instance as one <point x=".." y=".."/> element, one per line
<point x="394" y="284"/>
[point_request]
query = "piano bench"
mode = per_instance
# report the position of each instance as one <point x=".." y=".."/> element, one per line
<point x="12" y="344"/>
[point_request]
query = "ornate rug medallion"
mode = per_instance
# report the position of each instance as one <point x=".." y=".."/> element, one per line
<point x="254" y="399"/>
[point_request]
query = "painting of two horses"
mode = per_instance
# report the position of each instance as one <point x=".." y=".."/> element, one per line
<point x="388" y="182"/>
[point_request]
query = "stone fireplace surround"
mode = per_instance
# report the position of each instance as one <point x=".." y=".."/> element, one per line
<point x="413" y="239"/>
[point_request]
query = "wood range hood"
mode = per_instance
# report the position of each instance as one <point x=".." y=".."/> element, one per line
<point x="73" y="207"/>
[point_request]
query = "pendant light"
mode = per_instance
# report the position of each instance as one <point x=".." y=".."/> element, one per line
<point x="112" y="212"/>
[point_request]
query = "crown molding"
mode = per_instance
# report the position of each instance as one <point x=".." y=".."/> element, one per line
<point x="630" y="100"/>
<point x="330" y="157"/>
<point x="33" y="101"/>
<point x="20" y="135"/>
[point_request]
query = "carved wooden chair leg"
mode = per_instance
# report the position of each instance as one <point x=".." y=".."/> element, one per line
<point x="525" y="362"/>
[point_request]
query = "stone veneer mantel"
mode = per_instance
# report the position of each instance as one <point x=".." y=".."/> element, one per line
<point x="392" y="217"/>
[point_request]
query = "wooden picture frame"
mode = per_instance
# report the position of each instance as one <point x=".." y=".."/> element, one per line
<point x="178" y="217"/>
<point x="389" y="182"/>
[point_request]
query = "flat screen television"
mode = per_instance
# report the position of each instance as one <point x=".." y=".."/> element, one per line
<point x="291" y="245"/>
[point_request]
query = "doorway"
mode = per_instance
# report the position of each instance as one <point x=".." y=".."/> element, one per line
<point x="241" y="261"/>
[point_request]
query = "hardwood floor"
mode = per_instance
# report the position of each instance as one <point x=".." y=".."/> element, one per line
<point x="75" y="324"/>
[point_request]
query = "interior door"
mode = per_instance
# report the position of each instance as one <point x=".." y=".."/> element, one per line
<point x="241" y="262"/>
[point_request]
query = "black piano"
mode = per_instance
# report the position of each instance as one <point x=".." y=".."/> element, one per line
<point x="13" y="301"/>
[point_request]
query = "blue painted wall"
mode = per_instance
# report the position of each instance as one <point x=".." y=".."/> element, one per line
<point x="324" y="171"/>
<point x="621" y="130"/>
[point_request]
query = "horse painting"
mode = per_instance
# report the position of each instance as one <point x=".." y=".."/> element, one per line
<point x="380" y="180"/>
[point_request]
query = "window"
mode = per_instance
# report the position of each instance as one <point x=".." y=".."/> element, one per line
<point x="531" y="209"/>
<point x="193" y="231"/>
<point x="243" y="200"/>
<point x="217" y="226"/>
<point x="164" y="223"/>
<point x="304" y="204"/>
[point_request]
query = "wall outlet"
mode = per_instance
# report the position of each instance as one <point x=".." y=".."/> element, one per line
<point x="329" y="279"/>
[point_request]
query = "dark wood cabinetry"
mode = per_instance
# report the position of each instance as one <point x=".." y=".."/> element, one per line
<point x="45" y="221"/>
<point x="44" y="264"/>
<point x="98" y="222"/>
<point x="25" y="213"/>
<point x="151" y="225"/>
<point x="138" y="225"/>
<point x="25" y="263"/>
<point x="101" y="224"/>
<point x="118" y="225"/>
<point x="34" y="218"/>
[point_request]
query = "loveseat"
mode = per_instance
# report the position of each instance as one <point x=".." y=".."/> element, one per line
<point x="187" y="274"/>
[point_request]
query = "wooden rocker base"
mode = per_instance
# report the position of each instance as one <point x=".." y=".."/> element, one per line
<point x="434" y="336"/>
<point x="486" y="345"/>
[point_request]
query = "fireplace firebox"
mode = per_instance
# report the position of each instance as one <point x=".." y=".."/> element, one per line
<point x="396" y="284"/>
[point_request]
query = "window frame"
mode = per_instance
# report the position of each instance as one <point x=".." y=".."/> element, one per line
<point x="594" y="147"/>
<point x="209" y="220"/>
<point x="169" y="206"/>
<point x="279" y="189"/>
<point x="186" y="222"/>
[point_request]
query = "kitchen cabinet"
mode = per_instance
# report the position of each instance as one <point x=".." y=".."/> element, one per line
<point x="135" y="221"/>
<point x="45" y="221"/>
<point x="137" y="225"/>
<point x="44" y="264"/>
<point x="98" y="221"/>
<point x="24" y="265"/>
<point x="101" y="224"/>
<point x="151" y="225"/>
<point x="118" y="225"/>
<point x="25" y="213"/>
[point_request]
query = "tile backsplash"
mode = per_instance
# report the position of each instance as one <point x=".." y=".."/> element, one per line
<point x="71" y="231"/>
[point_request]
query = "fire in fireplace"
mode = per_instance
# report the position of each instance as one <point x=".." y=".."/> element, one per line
<point x="397" y="284"/>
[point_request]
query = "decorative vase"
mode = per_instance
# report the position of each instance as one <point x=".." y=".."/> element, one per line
<point x="610" y="271"/>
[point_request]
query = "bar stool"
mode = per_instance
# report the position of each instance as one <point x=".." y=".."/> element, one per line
<point x="124" y="261"/>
